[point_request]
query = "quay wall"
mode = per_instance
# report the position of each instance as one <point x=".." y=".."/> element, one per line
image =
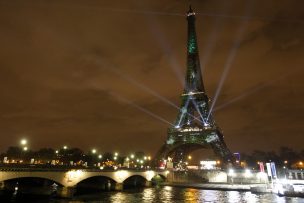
<point x="216" y="176"/>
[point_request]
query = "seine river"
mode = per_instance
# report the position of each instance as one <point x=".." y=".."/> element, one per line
<point x="171" y="194"/>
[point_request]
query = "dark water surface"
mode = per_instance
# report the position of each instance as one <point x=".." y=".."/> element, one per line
<point x="169" y="194"/>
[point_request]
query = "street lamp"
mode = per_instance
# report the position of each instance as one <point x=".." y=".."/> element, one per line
<point x="23" y="142"/>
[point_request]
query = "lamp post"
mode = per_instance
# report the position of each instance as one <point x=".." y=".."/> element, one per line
<point x="23" y="143"/>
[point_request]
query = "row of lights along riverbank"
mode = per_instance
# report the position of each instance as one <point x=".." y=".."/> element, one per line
<point x="94" y="157"/>
<point x="69" y="156"/>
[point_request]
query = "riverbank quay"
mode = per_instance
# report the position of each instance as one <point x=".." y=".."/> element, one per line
<point x="218" y="186"/>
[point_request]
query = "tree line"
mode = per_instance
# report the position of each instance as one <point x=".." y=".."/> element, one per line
<point x="285" y="156"/>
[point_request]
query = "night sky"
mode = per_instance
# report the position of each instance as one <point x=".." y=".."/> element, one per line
<point x="72" y="72"/>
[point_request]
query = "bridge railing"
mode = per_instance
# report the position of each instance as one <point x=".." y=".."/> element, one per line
<point x="29" y="167"/>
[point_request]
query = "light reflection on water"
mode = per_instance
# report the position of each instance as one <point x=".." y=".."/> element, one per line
<point x="211" y="195"/>
<point x="175" y="195"/>
<point x="166" y="194"/>
<point x="148" y="194"/>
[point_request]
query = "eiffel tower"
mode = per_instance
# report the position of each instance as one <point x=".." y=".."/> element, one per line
<point x="194" y="127"/>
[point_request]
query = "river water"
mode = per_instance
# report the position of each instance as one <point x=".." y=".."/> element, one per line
<point x="169" y="194"/>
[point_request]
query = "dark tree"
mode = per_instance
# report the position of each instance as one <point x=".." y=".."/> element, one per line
<point x="288" y="154"/>
<point x="14" y="152"/>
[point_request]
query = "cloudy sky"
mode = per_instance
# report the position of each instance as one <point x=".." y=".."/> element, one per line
<point x="92" y="73"/>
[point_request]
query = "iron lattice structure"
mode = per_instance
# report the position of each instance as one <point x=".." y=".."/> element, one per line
<point x="194" y="127"/>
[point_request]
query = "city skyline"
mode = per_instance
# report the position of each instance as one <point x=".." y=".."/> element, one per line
<point x="99" y="74"/>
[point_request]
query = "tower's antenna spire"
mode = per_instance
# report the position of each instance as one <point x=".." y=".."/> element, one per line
<point x="190" y="12"/>
<point x="194" y="82"/>
<point x="190" y="8"/>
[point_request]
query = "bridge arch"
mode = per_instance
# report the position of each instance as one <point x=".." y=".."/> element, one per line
<point x="158" y="179"/>
<point x="159" y="175"/>
<point x="59" y="180"/>
<point x="135" y="181"/>
<point x="32" y="180"/>
<point x="95" y="183"/>
<point x="32" y="185"/>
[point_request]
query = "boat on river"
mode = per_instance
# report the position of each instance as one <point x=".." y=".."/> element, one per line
<point x="292" y="185"/>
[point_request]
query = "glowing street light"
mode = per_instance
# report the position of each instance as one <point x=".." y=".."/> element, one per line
<point x="247" y="173"/>
<point x="23" y="142"/>
<point x="231" y="172"/>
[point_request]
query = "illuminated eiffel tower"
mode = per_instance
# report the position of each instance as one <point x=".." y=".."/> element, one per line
<point x="194" y="127"/>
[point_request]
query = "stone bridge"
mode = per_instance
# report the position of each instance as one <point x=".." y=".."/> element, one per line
<point x="68" y="179"/>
